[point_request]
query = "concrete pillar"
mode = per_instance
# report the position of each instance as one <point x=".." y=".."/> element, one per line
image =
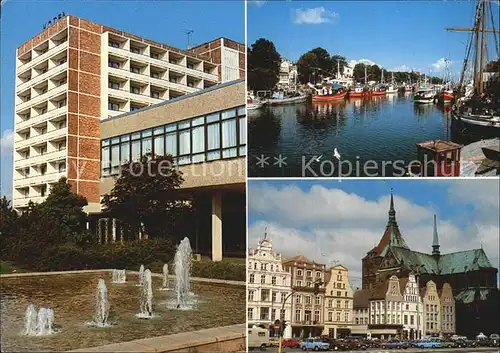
<point x="113" y="229"/>
<point x="335" y="332"/>
<point x="217" y="227"/>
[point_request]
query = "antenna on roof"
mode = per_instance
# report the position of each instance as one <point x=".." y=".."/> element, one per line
<point x="188" y="33"/>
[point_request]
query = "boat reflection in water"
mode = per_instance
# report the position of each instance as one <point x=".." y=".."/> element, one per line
<point x="369" y="129"/>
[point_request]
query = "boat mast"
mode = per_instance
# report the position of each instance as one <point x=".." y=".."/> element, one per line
<point x="338" y="69"/>
<point x="382" y="78"/>
<point x="365" y="76"/>
<point x="483" y="49"/>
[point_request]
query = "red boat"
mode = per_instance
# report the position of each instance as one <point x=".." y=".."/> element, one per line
<point x="447" y="97"/>
<point x="354" y="94"/>
<point x="377" y="93"/>
<point x="329" y="97"/>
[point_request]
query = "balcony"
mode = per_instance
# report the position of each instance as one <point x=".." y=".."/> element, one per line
<point x="54" y="113"/>
<point x="35" y="61"/>
<point x="146" y="59"/>
<point x="47" y="95"/>
<point x="23" y="201"/>
<point x="38" y="179"/>
<point x="37" y="79"/>
<point x="35" y="140"/>
<point x="39" y="159"/>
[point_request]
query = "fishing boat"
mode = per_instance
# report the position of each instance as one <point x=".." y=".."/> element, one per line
<point x="253" y="104"/>
<point x="478" y="111"/>
<point x="392" y="89"/>
<point x="424" y="95"/>
<point x="329" y="94"/>
<point x="290" y="98"/>
<point x="357" y="92"/>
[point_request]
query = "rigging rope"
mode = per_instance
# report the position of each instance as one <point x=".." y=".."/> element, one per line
<point x="497" y="46"/>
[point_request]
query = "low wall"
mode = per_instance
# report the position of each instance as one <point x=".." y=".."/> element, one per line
<point x="227" y="339"/>
<point x="195" y="279"/>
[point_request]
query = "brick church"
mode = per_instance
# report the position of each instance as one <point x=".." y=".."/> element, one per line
<point x="472" y="276"/>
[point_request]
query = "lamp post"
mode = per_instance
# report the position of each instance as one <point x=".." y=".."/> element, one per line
<point x="317" y="284"/>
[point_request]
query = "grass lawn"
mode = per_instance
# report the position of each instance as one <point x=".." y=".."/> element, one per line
<point x="234" y="260"/>
<point x="7" y="267"/>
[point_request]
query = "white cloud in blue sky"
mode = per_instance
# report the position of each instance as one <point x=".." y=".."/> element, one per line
<point x="317" y="15"/>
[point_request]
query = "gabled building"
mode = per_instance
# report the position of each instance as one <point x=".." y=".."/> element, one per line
<point x="471" y="275"/>
<point x="338" y="303"/>
<point x="268" y="286"/>
<point x="361" y="312"/>
<point x="307" y="307"/>
<point x="412" y="308"/>
<point x="432" y="309"/>
<point x="448" y="311"/>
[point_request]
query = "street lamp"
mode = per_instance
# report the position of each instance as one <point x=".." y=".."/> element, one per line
<point x="317" y="284"/>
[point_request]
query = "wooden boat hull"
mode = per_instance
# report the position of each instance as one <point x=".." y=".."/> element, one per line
<point x="356" y="94"/>
<point x="378" y="93"/>
<point x="329" y="98"/>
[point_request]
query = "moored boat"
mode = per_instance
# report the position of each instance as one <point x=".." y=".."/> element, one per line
<point x="253" y="104"/>
<point x="301" y="98"/>
<point x="329" y="97"/>
<point x="357" y="92"/>
<point x="424" y="96"/>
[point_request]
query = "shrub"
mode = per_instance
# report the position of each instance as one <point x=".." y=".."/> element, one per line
<point x="220" y="270"/>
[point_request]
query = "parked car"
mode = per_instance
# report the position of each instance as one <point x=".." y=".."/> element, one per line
<point x="315" y="344"/>
<point x="428" y="344"/>
<point x="291" y="343"/>
<point x="258" y="337"/>
<point x="394" y="344"/>
<point x="448" y="344"/>
<point x="355" y="345"/>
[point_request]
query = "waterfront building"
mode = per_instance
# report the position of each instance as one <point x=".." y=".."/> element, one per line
<point x="77" y="72"/>
<point x="338" y="312"/>
<point x="386" y="310"/>
<point x="361" y="313"/>
<point x="472" y="277"/>
<point x="447" y="310"/>
<point x="268" y="285"/>
<point x="412" y="308"/>
<point x="288" y="75"/>
<point x="205" y="132"/>
<point x="307" y="307"/>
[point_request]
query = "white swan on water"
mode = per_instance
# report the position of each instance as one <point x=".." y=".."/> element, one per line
<point x="336" y="153"/>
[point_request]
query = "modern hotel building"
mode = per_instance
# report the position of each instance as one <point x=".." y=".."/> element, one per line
<point x="76" y="73"/>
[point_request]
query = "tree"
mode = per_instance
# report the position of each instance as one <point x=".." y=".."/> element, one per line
<point x="324" y="60"/>
<point x="8" y="218"/>
<point x="307" y="67"/>
<point x="145" y="196"/>
<point x="263" y="65"/>
<point x="338" y="61"/>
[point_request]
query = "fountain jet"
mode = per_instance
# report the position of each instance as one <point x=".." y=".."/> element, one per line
<point x="183" y="258"/>
<point x="146" y="298"/>
<point x="165" y="278"/>
<point x="102" y="306"/>
<point x="141" y="275"/>
<point x="38" y="323"/>
<point x="119" y="276"/>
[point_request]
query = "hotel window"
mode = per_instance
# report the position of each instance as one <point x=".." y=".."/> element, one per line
<point x="346" y="304"/>
<point x="61" y="146"/>
<point x="299" y="272"/>
<point x="114" y="44"/>
<point x="251" y="278"/>
<point x="43" y="190"/>
<point x="62" y="167"/>
<point x="346" y="317"/>
<point x="308" y="299"/>
<point x="61" y="103"/>
<point x="283" y="296"/>
<point x="330" y="316"/>
<point x="62" y="82"/>
<point x="154" y="55"/>
<point x="339" y="293"/>
<point x="114" y="85"/>
<point x="135" y="50"/>
<point x="317" y="300"/>
<point x="155" y="75"/>
<point x="309" y="274"/>
<point x="26" y="172"/>
<point x="273" y="280"/>
<point x="299" y="283"/>
<point x="250" y="313"/>
<point x="308" y="284"/>
<point x="205" y="138"/>
<point x="316" y="315"/>
<point x="114" y="64"/>
<point x="338" y="316"/>
<point x="155" y="94"/>
<point x="297" y="299"/>
<point x="135" y="70"/>
<point x="263" y="279"/>
<point x="339" y="304"/>
<point x="250" y="295"/>
<point x="62" y="61"/>
<point x="297" y="315"/>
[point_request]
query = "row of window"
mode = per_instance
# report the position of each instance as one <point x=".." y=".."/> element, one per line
<point x="264" y="266"/>
<point x="264" y="314"/>
<point x="263" y="279"/>
<point x="215" y="136"/>
<point x="339" y="304"/>
<point x="361" y="321"/>
<point x="338" y="316"/>
<point x="308" y="273"/>
<point x="307" y="316"/>
<point x="307" y="299"/>
<point x="264" y="296"/>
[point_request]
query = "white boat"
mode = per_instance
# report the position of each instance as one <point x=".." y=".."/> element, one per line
<point x="289" y="100"/>
<point x="467" y="117"/>
<point x="253" y="104"/>
<point x="424" y="96"/>
<point x="391" y="90"/>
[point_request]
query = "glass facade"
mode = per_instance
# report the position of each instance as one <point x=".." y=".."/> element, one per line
<point x="218" y="135"/>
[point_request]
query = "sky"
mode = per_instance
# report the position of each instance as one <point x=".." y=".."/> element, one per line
<point x="333" y="222"/>
<point x="162" y="21"/>
<point x="397" y="35"/>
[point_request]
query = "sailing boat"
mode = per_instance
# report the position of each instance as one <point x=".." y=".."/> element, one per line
<point x="446" y="96"/>
<point x="392" y="88"/>
<point x="478" y="109"/>
<point x="380" y="89"/>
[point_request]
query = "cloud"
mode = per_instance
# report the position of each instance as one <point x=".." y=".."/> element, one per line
<point x="440" y="65"/>
<point x="7" y="142"/>
<point x="329" y="224"/>
<point x="318" y="15"/>
<point x="353" y="63"/>
<point x="401" y="68"/>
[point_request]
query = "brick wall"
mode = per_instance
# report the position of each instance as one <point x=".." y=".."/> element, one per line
<point x="84" y="103"/>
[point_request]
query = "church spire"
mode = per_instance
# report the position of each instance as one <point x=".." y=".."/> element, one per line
<point x="392" y="211"/>
<point x="435" y="239"/>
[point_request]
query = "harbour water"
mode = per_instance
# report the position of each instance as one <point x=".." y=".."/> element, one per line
<point x="374" y="137"/>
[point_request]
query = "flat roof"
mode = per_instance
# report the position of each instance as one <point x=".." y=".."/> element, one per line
<point x="177" y="99"/>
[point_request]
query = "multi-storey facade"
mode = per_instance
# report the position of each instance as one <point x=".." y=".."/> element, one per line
<point x="288" y="75"/>
<point x="268" y="286"/>
<point x="447" y="310"/>
<point x="307" y="306"/>
<point x="338" y="311"/>
<point x="386" y="310"/>
<point x="75" y="73"/>
<point x="361" y="312"/>
<point x="205" y="132"/>
<point x="432" y="309"/>
<point x="229" y="56"/>
<point x="412" y="308"/>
